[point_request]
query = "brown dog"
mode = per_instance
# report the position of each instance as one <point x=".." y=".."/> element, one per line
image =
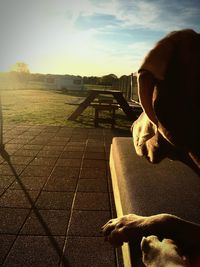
<point x="169" y="92"/>
<point x="185" y="234"/>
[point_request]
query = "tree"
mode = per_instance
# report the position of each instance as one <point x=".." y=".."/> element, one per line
<point x="20" y="71"/>
<point x="20" y="67"/>
<point x="109" y="79"/>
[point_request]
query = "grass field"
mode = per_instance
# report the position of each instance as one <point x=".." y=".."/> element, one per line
<point x="48" y="107"/>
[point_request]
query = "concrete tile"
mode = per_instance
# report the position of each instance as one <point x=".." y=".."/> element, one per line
<point x="95" y="149"/>
<point x="69" y="162"/>
<point x="74" y="148"/>
<point x="18" y="198"/>
<point x="60" y="184"/>
<point x="35" y="251"/>
<point x="37" y="171"/>
<point x="6" y="181"/>
<point x="46" y="222"/>
<point x="90" y="251"/>
<point x="33" y="147"/>
<point x="20" y="160"/>
<point x="76" y="143"/>
<point x="6" y="242"/>
<point x="39" y="141"/>
<point x="42" y="161"/>
<point x="49" y="154"/>
<point x="92" y="185"/>
<point x="94" y="155"/>
<point x="1" y="159"/>
<point x="12" y="147"/>
<point x="90" y="163"/>
<point x="91" y="201"/>
<point x="87" y="223"/>
<point x="72" y="155"/>
<point x="12" y="220"/>
<point x="5" y="169"/>
<point x="2" y="191"/>
<point x="57" y="143"/>
<point x="26" y="152"/>
<point x="67" y="172"/>
<point x="92" y="173"/>
<point x="53" y="148"/>
<point x="55" y="200"/>
<point x="29" y="182"/>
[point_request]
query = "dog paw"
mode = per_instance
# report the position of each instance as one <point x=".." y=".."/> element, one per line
<point x="161" y="253"/>
<point x="120" y="230"/>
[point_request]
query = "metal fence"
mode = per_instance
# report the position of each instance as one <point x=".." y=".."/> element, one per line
<point x="127" y="84"/>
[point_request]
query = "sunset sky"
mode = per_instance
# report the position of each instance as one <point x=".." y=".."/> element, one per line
<point x="88" y="37"/>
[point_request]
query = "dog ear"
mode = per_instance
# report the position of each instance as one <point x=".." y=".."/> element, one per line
<point x="153" y="68"/>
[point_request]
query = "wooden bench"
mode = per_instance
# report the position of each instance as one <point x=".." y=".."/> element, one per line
<point x="104" y="105"/>
<point x="146" y="189"/>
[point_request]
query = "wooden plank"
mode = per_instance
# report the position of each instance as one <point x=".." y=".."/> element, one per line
<point x="83" y="105"/>
<point x="125" y="106"/>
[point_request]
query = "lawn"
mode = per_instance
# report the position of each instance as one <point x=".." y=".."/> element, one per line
<point x="48" y="107"/>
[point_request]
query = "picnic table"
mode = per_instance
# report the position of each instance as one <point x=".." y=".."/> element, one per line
<point x="94" y="93"/>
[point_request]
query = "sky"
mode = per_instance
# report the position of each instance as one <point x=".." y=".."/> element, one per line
<point x="88" y="37"/>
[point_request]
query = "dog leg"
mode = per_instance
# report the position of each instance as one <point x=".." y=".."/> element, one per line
<point x="133" y="227"/>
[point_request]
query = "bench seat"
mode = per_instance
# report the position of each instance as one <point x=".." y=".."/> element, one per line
<point x="146" y="189"/>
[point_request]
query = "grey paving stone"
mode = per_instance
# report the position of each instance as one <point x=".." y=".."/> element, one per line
<point x="53" y="148"/>
<point x="60" y="184"/>
<point x="29" y="182"/>
<point x="95" y="149"/>
<point x="92" y="173"/>
<point x="89" y="252"/>
<point x="37" y="171"/>
<point x="94" y="155"/>
<point x="42" y="161"/>
<point x="74" y="148"/>
<point x="6" y="169"/>
<point x="90" y="163"/>
<point x="67" y="172"/>
<point x="18" y="198"/>
<point x="46" y="222"/>
<point x="33" y="147"/>
<point x="91" y="201"/>
<point x="76" y="144"/>
<point x="49" y="154"/>
<point x="69" y="162"/>
<point x="55" y="200"/>
<point x="6" y="181"/>
<point x="12" y="220"/>
<point x="6" y="242"/>
<point x="87" y="223"/>
<point x="26" y="152"/>
<point x="2" y="191"/>
<point x="92" y="185"/>
<point x="37" y="251"/>
<point x="20" y="160"/>
<point x="72" y="155"/>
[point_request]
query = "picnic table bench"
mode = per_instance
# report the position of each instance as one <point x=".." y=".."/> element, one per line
<point x="117" y="95"/>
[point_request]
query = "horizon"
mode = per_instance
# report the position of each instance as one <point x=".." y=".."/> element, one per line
<point x="87" y="37"/>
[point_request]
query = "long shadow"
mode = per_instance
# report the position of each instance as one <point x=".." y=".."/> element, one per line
<point x="53" y="241"/>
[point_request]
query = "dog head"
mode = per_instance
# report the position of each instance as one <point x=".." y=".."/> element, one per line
<point x="168" y="82"/>
<point x="157" y="253"/>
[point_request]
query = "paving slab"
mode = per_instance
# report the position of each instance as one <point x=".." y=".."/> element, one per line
<point x="55" y="194"/>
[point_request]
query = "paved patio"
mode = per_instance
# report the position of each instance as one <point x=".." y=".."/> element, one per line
<point x="55" y="193"/>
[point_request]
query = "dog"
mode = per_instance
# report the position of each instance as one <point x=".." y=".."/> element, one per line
<point x="179" y="245"/>
<point x="169" y="93"/>
<point x="161" y="253"/>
